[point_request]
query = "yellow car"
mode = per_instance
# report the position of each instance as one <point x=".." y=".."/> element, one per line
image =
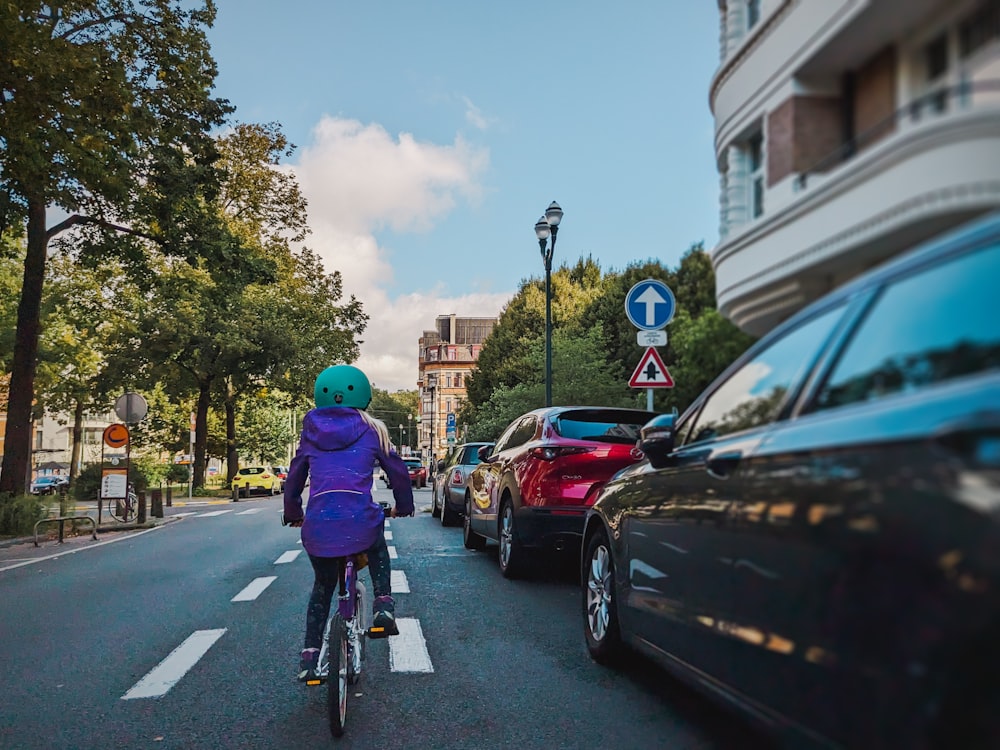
<point x="256" y="479"/>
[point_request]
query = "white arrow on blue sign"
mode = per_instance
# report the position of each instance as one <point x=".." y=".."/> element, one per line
<point x="650" y="305"/>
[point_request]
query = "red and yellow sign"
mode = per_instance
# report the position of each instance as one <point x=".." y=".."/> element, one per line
<point x="116" y="436"/>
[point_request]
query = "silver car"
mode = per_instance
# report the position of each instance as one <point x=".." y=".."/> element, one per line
<point x="451" y="481"/>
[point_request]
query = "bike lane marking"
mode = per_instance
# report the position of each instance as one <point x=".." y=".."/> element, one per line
<point x="249" y="512"/>
<point x="213" y="513"/>
<point x="408" y="650"/>
<point x="393" y="555"/>
<point x="168" y="672"/>
<point x="288" y="557"/>
<point x="254" y="589"/>
<point x="388" y="536"/>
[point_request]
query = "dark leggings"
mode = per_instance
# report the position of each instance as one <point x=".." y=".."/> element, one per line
<point x="325" y="584"/>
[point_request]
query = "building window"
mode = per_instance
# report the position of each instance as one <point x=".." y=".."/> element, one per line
<point x="755" y="176"/>
<point x="458" y="380"/>
<point x="753" y="13"/>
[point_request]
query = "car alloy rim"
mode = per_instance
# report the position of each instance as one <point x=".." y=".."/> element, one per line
<point x="506" y="533"/>
<point x="599" y="593"/>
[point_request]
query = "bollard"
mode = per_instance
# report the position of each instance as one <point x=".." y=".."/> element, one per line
<point x="141" y="518"/>
<point x="170" y="496"/>
<point x="156" y="503"/>
<point x="236" y="494"/>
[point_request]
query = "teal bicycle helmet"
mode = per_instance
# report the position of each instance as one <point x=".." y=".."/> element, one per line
<point x="343" y="385"/>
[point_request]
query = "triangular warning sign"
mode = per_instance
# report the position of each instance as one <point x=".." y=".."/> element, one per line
<point x="651" y="372"/>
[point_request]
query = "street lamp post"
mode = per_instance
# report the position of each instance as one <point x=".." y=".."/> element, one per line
<point x="400" y="446"/>
<point x="545" y="226"/>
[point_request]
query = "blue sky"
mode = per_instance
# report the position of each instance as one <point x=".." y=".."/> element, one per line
<point x="432" y="134"/>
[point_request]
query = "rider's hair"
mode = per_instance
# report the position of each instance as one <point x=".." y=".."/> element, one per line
<point x="384" y="441"/>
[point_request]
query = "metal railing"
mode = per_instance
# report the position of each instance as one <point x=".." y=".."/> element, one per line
<point x="933" y="103"/>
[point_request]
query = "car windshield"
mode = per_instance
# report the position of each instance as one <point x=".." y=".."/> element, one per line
<point x="601" y="425"/>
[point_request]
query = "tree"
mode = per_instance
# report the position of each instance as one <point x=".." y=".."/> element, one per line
<point x="104" y="109"/>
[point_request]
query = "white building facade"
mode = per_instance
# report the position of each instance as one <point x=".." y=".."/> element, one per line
<point x="846" y="131"/>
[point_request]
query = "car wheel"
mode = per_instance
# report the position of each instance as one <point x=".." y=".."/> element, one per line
<point x="600" y="606"/>
<point x="513" y="556"/>
<point x="435" y="512"/>
<point x="448" y="516"/>
<point x="470" y="538"/>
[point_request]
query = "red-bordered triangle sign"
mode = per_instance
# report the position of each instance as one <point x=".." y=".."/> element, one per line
<point x="651" y="372"/>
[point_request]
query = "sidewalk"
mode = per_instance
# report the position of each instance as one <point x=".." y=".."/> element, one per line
<point x="18" y="551"/>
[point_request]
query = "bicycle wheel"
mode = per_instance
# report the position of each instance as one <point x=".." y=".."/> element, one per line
<point x="336" y="681"/>
<point x="118" y="509"/>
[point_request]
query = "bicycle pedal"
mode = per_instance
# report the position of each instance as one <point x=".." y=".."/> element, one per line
<point x="315" y="682"/>
<point x="375" y="632"/>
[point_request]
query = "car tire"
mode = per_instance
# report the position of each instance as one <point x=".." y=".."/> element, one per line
<point x="513" y="557"/>
<point x="600" y="604"/>
<point x="471" y="539"/>
<point x="448" y="516"/>
<point x="435" y="511"/>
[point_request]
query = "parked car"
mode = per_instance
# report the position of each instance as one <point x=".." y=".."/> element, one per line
<point x="815" y="540"/>
<point x="48" y="484"/>
<point x="282" y="473"/>
<point x="418" y="472"/>
<point x="252" y="479"/>
<point x="534" y="485"/>
<point x="451" y="482"/>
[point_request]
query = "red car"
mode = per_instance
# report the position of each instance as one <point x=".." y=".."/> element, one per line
<point x="534" y="486"/>
<point x="418" y="472"/>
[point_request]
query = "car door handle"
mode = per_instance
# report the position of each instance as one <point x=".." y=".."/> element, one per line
<point x="723" y="465"/>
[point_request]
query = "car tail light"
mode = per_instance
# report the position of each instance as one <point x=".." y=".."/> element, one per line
<point x="552" y="452"/>
<point x="456" y="477"/>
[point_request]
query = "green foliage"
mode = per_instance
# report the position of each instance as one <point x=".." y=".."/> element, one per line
<point x="594" y="348"/>
<point x="87" y="485"/>
<point x="178" y="473"/>
<point x="19" y="513"/>
<point x="265" y="430"/>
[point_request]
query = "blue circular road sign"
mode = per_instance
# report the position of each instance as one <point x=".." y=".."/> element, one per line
<point x="650" y="305"/>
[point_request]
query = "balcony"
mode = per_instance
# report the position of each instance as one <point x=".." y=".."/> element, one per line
<point x="932" y="164"/>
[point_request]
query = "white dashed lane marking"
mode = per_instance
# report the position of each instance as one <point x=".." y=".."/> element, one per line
<point x="408" y="650"/>
<point x="388" y="536"/>
<point x="214" y="513"/>
<point x="249" y="512"/>
<point x="168" y="672"/>
<point x="288" y="557"/>
<point x="393" y="555"/>
<point x="399" y="583"/>
<point x="254" y="589"/>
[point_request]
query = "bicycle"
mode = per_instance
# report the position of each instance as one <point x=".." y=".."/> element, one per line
<point x="342" y="653"/>
<point x="124" y="510"/>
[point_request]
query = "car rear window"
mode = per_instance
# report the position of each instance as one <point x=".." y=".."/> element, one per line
<point x="253" y="470"/>
<point x="413" y="464"/>
<point x="602" y="426"/>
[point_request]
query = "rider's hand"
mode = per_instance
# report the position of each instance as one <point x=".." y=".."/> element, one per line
<point x="295" y="524"/>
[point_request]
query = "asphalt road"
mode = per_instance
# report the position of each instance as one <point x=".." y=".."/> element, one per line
<point x="486" y="662"/>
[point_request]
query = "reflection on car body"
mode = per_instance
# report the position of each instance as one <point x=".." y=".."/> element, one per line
<point x="815" y="538"/>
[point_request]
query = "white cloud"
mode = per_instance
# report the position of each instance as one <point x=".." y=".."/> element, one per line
<point x="358" y="179"/>
<point x="474" y="116"/>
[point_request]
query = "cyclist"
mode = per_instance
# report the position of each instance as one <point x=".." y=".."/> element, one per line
<point x="338" y="449"/>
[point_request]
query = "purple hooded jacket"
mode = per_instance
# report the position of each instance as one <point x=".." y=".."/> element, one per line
<point x="338" y="451"/>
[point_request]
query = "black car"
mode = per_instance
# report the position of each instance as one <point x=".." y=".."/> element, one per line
<point x="816" y="540"/>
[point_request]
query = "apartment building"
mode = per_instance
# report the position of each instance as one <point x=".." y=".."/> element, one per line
<point x="845" y="132"/>
<point x="447" y="355"/>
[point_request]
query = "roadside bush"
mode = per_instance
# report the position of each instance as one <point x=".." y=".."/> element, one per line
<point x="178" y="473"/>
<point x="19" y="513"/>
<point x="87" y="486"/>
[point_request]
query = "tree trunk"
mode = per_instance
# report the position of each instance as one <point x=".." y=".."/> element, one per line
<point x="14" y="474"/>
<point x="74" y="461"/>
<point x="201" y="432"/>
<point x="232" y="454"/>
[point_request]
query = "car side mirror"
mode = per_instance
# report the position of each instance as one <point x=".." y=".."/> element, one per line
<point x="484" y="453"/>
<point x="656" y="439"/>
<point x="440" y="465"/>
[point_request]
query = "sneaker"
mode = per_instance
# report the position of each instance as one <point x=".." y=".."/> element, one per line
<point x="384" y="621"/>
<point x="308" y="665"/>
